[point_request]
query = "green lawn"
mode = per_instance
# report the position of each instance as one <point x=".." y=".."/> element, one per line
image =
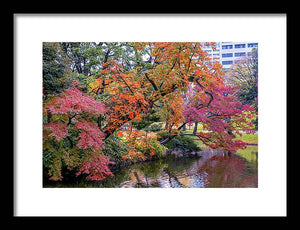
<point x="249" y="138"/>
<point x="250" y="153"/>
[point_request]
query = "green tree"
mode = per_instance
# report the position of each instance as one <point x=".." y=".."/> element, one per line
<point x="88" y="57"/>
<point x="55" y="68"/>
<point x="244" y="74"/>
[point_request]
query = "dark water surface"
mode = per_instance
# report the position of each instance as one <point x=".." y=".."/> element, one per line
<point x="212" y="169"/>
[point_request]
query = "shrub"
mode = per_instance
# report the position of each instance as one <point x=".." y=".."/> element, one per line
<point x="185" y="143"/>
<point x="155" y="127"/>
<point x="115" y="148"/>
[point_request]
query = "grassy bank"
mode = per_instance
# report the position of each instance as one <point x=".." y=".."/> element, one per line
<point x="248" y="138"/>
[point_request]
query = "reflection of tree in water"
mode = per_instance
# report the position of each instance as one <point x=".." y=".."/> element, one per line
<point x="142" y="175"/>
<point x="173" y="180"/>
<point x="176" y="171"/>
<point x="227" y="172"/>
<point x="146" y="175"/>
<point x="179" y="165"/>
<point x="152" y="169"/>
<point x="149" y="174"/>
<point x="215" y="171"/>
<point x="134" y="175"/>
<point x="81" y="182"/>
<point x="114" y="182"/>
<point x="157" y="173"/>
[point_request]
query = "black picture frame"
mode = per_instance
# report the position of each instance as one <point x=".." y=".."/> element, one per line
<point x="140" y="220"/>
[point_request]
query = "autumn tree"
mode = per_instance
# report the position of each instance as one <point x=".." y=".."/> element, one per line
<point x="72" y="137"/>
<point x="222" y="118"/>
<point x="129" y="82"/>
<point x="172" y="67"/>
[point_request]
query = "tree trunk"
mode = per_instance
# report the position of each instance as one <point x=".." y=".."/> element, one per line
<point x="167" y="125"/>
<point x="167" y="139"/>
<point x="195" y="128"/>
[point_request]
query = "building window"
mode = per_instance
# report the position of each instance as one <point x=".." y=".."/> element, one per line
<point x="240" y="54"/>
<point x="225" y="47"/>
<point x="252" y="44"/>
<point x="240" y="46"/>
<point x="226" y="62"/>
<point x="227" y="55"/>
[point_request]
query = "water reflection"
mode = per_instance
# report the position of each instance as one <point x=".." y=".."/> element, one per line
<point x="227" y="172"/>
<point x="212" y="170"/>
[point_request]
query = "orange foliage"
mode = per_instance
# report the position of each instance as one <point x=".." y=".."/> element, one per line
<point x="175" y="65"/>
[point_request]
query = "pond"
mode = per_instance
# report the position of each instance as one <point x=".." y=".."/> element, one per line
<point x="211" y="169"/>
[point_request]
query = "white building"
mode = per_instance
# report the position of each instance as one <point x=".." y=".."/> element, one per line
<point x="229" y="53"/>
<point x="232" y="52"/>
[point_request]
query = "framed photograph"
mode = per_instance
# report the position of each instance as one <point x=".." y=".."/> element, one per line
<point x="150" y="115"/>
